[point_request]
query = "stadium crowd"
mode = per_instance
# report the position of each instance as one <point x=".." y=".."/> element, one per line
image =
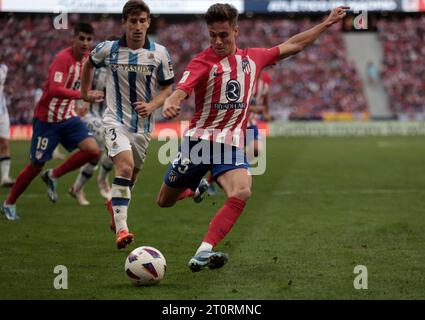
<point x="403" y="69"/>
<point x="318" y="79"/>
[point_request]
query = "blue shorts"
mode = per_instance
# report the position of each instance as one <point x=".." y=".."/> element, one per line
<point x="47" y="135"/>
<point x="251" y="134"/>
<point x="196" y="157"/>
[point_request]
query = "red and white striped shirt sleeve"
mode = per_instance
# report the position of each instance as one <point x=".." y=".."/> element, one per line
<point x="193" y="74"/>
<point x="263" y="57"/>
<point x="57" y="76"/>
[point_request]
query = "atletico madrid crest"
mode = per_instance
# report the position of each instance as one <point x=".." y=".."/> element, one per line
<point x="246" y="67"/>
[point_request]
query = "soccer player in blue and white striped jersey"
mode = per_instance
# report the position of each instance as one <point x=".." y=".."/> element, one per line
<point x="139" y="79"/>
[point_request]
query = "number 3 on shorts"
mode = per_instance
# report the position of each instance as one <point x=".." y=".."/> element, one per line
<point x="113" y="134"/>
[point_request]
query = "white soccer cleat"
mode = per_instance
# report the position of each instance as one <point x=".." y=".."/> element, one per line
<point x="104" y="189"/>
<point x="80" y="196"/>
<point x="207" y="260"/>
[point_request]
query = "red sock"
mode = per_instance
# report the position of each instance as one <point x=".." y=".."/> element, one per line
<point x="74" y="162"/>
<point x="224" y="220"/>
<point x="22" y="182"/>
<point x="210" y="179"/>
<point x="185" y="194"/>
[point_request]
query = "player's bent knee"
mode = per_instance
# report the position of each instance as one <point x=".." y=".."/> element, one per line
<point x="163" y="202"/>
<point x="243" y="194"/>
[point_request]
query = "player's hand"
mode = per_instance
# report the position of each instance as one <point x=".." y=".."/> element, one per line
<point x="82" y="109"/>
<point x="144" y="109"/>
<point x="94" y="96"/>
<point x="170" y="109"/>
<point x="337" y="14"/>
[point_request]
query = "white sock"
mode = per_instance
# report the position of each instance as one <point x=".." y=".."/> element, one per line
<point x="121" y="196"/>
<point x="205" y="246"/>
<point x="85" y="174"/>
<point x="105" y="166"/>
<point x="5" y="168"/>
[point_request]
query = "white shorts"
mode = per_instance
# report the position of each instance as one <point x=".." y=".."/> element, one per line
<point x="4" y="125"/>
<point x="118" y="139"/>
<point x="96" y="127"/>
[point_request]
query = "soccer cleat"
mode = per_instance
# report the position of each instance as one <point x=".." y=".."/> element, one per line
<point x="9" y="211"/>
<point x="111" y="212"/>
<point x="104" y="189"/>
<point x="51" y="185"/>
<point x="7" y="183"/>
<point x="207" y="259"/>
<point x="212" y="190"/>
<point x="124" y="238"/>
<point x="199" y="193"/>
<point x="80" y="196"/>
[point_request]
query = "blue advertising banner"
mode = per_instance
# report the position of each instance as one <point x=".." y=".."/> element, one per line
<point x="270" y="6"/>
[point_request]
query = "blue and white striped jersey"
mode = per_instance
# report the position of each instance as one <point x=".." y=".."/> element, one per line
<point x="132" y="75"/>
<point x="98" y="83"/>
<point x="3" y="75"/>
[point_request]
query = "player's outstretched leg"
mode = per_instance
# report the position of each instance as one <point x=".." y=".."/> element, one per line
<point x="237" y="185"/>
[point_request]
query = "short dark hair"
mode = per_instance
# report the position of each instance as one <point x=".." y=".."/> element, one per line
<point x="134" y="7"/>
<point x="83" y="27"/>
<point x="222" y="12"/>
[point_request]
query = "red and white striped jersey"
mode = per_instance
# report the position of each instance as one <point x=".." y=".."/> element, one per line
<point x="62" y="88"/>
<point x="261" y="90"/>
<point x="223" y="89"/>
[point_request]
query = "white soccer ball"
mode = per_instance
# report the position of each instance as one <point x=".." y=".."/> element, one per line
<point x="145" y="266"/>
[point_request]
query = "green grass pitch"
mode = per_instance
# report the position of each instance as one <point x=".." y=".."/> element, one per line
<point x="324" y="206"/>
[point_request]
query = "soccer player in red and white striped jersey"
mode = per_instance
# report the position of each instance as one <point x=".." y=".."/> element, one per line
<point x="55" y="121"/>
<point x="223" y="78"/>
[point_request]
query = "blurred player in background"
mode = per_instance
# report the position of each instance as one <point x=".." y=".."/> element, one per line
<point x="92" y="115"/>
<point x="55" y="121"/>
<point x="5" y="181"/>
<point x="139" y="79"/>
<point x="223" y="78"/>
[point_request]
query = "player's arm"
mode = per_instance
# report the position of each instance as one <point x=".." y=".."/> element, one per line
<point x="145" y="109"/>
<point x="57" y="76"/>
<point x="171" y="108"/>
<point x="301" y="40"/>
<point x="86" y="82"/>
